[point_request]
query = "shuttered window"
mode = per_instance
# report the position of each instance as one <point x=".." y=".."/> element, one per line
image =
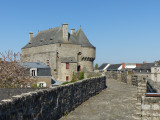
<point x="67" y="65"/>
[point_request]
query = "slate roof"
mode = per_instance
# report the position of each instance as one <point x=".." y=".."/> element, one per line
<point x="103" y="66"/>
<point x="34" y="65"/>
<point x="114" y="66"/>
<point x="145" y="66"/>
<point x="55" y="35"/>
<point x="130" y="63"/>
<point x="68" y="60"/>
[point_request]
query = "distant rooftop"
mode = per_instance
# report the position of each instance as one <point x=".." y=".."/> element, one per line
<point x="34" y="65"/>
<point x="103" y="66"/>
<point x="114" y="66"/>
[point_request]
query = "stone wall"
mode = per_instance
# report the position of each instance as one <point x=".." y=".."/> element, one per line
<point x="7" y="93"/>
<point x="130" y="79"/>
<point x="50" y="104"/>
<point x="148" y="108"/>
<point x="141" y="90"/>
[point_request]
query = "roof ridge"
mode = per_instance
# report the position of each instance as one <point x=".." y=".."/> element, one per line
<point x="47" y="30"/>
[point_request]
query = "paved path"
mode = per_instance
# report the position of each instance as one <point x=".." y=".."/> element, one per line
<point x="117" y="102"/>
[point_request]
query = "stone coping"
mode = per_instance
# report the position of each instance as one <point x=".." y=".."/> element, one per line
<point x="154" y="85"/>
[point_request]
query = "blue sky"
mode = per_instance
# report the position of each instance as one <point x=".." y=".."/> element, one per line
<point x="121" y="30"/>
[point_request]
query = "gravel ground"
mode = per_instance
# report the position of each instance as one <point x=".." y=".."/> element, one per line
<point x="117" y="102"/>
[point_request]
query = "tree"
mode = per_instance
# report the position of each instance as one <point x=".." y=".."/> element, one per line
<point x="73" y="78"/>
<point x="96" y="67"/>
<point x="12" y="73"/>
<point x="81" y="77"/>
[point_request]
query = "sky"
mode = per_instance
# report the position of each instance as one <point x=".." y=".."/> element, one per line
<point x="121" y="30"/>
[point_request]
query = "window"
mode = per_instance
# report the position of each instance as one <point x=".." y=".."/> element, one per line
<point x="67" y="65"/>
<point x="33" y="73"/>
<point x="67" y="78"/>
<point x="41" y="84"/>
<point x="156" y="78"/>
<point x="79" y="68"/>
<point x="47" y="62"/>
<point x="155" y="69"/>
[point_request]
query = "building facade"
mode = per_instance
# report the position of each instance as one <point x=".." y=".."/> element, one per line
<point x="64" y="52"/>
<point x="155" y="73"/>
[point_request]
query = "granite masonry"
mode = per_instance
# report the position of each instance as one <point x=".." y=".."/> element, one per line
<point x="50" y="104"/>
<point x="64" y="52"/>
<point x="150" y="106"/>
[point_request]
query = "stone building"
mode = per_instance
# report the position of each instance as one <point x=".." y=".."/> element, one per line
<point x="64" y="52"/>
<point x="155" y="73"/>
<point x="39" y="72"/>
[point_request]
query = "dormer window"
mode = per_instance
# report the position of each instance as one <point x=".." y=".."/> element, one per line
<point x="33" y="72"/>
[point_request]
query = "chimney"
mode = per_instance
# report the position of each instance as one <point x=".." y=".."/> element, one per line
<point x="72" y="31"/>
<point x="123" y="65"/>
<point x="65" y="32"/>
<point x="30" y="37"/>
<point x="144" y="62"/>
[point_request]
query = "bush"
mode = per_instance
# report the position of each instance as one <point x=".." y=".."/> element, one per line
<point x="34" y="86"/>
<point x="65" y="83"/>
<point x="81" y="77"/>
<point x="73" y="77"/>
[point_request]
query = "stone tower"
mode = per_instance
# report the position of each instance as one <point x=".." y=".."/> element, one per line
<point x="64" y="52"/>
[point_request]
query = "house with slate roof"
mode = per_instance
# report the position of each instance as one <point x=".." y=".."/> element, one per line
<point x="114" y="67"/>
<point x="103" y="67"/>
<point x="64" y="52"/>
<point x="144" y="68"/>
<point x="39" y="72"/>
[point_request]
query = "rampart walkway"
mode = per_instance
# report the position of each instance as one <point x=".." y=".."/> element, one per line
<point x="117" y="102"/>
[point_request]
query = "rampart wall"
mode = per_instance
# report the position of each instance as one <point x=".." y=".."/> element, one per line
<point x="131" y="79"/>
<point x="50" y="104"/>
<point x="148" y="108"/>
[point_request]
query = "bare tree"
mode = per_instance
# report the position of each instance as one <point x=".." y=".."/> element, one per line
<point x="12" y="73"/>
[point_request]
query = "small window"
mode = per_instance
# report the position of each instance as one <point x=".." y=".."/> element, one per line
<point x="33" y="73"/>
<point x="79" y="68"/>
<point x="47" y="62"/>
<point x="67" y="65"/>
<point x="67" y="78"/>
<point x="155" y="69"/>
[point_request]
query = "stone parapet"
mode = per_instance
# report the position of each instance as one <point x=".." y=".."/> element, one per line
<point x="50" y="104"/>
<point x="151" y="108"/>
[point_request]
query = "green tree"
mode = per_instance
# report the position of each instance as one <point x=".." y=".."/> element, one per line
<point x="73" y="78"/>
<point x="81" y="77"/>
<point x="96" y="67"/>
